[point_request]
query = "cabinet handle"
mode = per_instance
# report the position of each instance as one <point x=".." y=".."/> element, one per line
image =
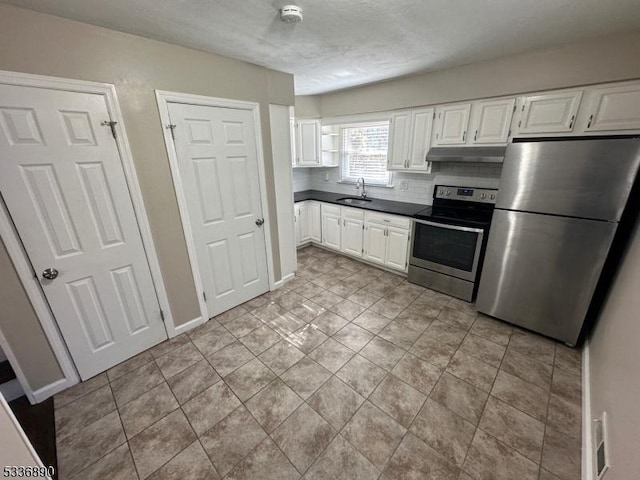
<point x="475" y="136"/>
<point x="464" y="136"/>
<point x="573" y="117"/>
<point x="590" y="120"/>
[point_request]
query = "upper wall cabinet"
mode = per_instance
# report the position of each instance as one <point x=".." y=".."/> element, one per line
<point x="451" y="124"/>
<point x="491" y="121"/>
<point x="308" y="144"/>
<point x="549" y="112"/>
<point x="410" y="139"/>
<point x="613" y="108"/>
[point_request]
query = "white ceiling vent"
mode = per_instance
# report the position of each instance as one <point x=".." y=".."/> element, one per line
<point x="291" y="14"/>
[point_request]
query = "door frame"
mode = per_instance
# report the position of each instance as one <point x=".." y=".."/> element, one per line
<point x="164" y="98"/>
<point x="20" y="258"/>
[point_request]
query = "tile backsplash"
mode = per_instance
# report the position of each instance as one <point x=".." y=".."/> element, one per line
<point x="419" y="185"/>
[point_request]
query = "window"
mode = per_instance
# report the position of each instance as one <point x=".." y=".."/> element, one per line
<point x="364" y="153"/>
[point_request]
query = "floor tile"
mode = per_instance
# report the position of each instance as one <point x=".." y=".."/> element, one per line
<point x="327" y="299"/>
<point x="260" y="339"/>
<point x="129" y="365"/>
<point x="348" y="309"/>
<point x="117" y="465"/>
<point x="79" y="390"/>
<point x="383" y="353"/>
<point x="230" y="358"/>
<point x="445" y="333"/>
<point x="568" y="359"/>
<point x="386" y="308"/>
<point x="308" y="310"/>
<point x="482" y="349"/>
<point x="307" y="338"/>
<point x="324" y="280"/>
<point x="266" y="462"/>
<point x="378" y="288"/>
<point x="147" y="409"/>
<point x="209" y="407"/>
<point x="305" y="377"/>
<point x="231" y="439"/>
<point x="371" y="321"/>
<point x="489" y="459"/>
<point x="329" y="323"/>
<point x="269" y="311"/>
<point x="400" y="334"/>
<point x="77" y="452"/>
<point x="491" y="329"/>
<point x="178" y="360"/>
<point x="243" y="325"/>
<point x="514" y="428"/>
<point x="332" y="355"/>
<point x="289" y="300"/>
<point x="190" y="382"/>
<point x="444" y="431"/>
<point x="213" y="341"/>
<point x="561" y="455"/>
<point x="421" y="375"/>
<point x="399" y="400"/>
<point x="532" y="345"/>
<point x="522" y="395"/>
<point x="341" y="461"/>
<point x="404" y="294"/>
<point x="565" y="416"/>
<point x="427" y="307"/>
<point x="190" y="464"/>
<point x="249" y="379"/>
<point x="343" y="288"/>
<point x="527" y="368"/>
<point x="281" y="356"/>
<point x="566" y="385"/>
<point x="414" y="319"/>
<point x="135" y="383"/>
<point x="169" y="345"/>
<point x="416" y="460"/>
<point x="206" y="327"/>
<point x="431" y="297"/>
<point x="159" y="443"/>
<point x="361" y="375"/>
<point x="460" y="397"/>
<point x="72" y="418"/>
<point x="336" y="402"/>
<point x="303" y="437"/>
<point x="353" y="337"/>
<point x="472" y="370"/>
<point x="433" y="350"/>
<point x="341" y="273"/>
<point x="364" y="298"/>
<point x="273" y="405"/>
<point x="309" y="290"/>
<point x="286" y="324"/>
<point x="457" y="318"/>
<point x="233" y="313"/>
<point x="544" y="475"/>
<point x="374" y="434"/>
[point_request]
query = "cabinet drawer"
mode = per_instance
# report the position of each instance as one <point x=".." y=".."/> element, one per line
<point x="328" y="209"/>
<point x="389" y="220"/>
<point x="354" y="213"/>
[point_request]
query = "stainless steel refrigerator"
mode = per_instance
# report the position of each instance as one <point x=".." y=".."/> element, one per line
<point x="557" y="212"/>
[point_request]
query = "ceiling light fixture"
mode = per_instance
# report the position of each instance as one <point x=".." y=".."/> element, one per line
<point x="291" y="14"/>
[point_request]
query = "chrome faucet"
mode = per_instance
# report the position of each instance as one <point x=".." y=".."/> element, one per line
<point x="364" y="191"/>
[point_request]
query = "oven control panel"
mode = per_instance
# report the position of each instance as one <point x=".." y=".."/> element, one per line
<point x="482" y="195"/>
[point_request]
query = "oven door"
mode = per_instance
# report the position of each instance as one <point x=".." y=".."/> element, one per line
<point x="447" y="249"/>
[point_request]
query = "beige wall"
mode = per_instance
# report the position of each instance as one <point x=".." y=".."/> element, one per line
<point x="43" y="44"/>
<point x="601" y="60"/>
<point x="614" y="364"/>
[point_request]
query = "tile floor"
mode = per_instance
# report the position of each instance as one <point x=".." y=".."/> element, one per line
<point x="347" y="372"/>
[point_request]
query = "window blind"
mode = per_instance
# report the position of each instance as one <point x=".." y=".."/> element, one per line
<point x="364" y="152"/>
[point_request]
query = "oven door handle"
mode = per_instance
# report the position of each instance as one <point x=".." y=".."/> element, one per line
<point x="450" y="227"/>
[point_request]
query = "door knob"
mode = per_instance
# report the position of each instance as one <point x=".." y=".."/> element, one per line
<point x="50" y="273"/>
<point x="259" y="221"/>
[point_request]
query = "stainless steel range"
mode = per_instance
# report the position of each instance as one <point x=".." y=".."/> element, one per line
<point x="449" y="240"/>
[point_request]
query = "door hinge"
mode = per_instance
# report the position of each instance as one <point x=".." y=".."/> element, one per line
<point x="162" y="315"/>
<point x="172" y="127"/>
<point x="204" y="295"/>
<point x="111" y="124"/>
<point x="514" y="107"/>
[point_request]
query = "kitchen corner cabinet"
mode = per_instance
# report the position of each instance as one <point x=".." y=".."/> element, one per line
<point x="308" y="222"/>
<point x="410" y="140"/>
<point x="549" y="113"/>
<point x="491" y="121"/>
<point x="613" y="108"/>
<point x="451" y="124"/>
<point x="308" y="143"/>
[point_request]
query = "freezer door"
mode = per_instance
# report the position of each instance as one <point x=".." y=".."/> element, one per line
<point x="574" y="178"/>
<point x="540" y="271"/>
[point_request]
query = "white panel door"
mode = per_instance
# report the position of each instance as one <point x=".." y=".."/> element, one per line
<point x="452" y="123"/>
<point x="331" y="230"/>
<point x="314" y="220"/>
<point x="218" y="162"/>
<point x="308" y="149"/>
<point x="550" y="113"/>
<point x="615" y="108"/>
<point x="352" y="236"/>
<point x="397" y="246"/>
<point x="399" y="140"/>
<point x="421" y="129"/>
<point x="375" y="243"/>
<point x="64" y="185"/>
<point x="491" y="121"/>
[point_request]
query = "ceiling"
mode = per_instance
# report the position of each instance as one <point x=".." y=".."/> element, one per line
<point x="344" y="43"/>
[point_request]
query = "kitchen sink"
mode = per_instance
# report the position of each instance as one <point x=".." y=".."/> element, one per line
<point x="354" y="200"/>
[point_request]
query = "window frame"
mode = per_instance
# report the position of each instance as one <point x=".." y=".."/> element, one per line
<point x="343" y="159"/>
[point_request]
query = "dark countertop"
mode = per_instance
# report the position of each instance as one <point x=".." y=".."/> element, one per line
<point x="376" y="204"/>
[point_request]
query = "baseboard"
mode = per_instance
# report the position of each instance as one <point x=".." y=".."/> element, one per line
<point x="283" y="280"/>
<point x="587" y="439"/>
<point x="185" y="327"/>
<point x="11" y="390"/>
<point x="50" y="390"/>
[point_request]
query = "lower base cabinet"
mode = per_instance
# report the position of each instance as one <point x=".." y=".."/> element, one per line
<point x="386" y="240"/>
<point x="307" y="218"/>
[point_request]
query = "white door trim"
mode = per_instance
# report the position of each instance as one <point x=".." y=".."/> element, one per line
<point x="19" y="256"/>
<point x="164" y="98"/>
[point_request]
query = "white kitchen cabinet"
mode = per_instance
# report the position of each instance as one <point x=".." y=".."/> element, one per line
<point x="375" y="243"/>
<point x="330" y="144"/>
<point x="352" y="231"/>
<point x="399" y="140"/>
<point x="451" y="124"/>
<point x="614" y="108"/>
<point x="315" y="221"/>
<point x="549" y="112"/>
<point x="410" y="139"/>
<point x="308" y="143"/>
<point x="308" y="223"/>
<point x="491" y="121"/>
<point x="331" y="226"/>
<point x="386" y="240"/>
<point x="397" y="248"/>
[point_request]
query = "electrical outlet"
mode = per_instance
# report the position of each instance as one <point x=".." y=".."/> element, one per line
<point x="404" y="184"/>
<point x="601" y="446"/>
<point x="326" y="177"/>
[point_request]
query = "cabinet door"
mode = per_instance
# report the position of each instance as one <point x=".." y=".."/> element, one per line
<point x="352" y="236"/>
<point x="492" y="120"/>
<point x="331" y="231"/>
<point x="615" y="108"/>
<point x="303" y="221"/>
<point x="308" y="149"/>
<point x="375" y="243"/>
<point x="421" y="129"/>
<point x="550" y="113"/>
<point x="397" y="248"/>
<point x="399" y="139"/>
<point x="298" y="221"/>
<point x="314" y="222"/>
<point x="452" y="123"/>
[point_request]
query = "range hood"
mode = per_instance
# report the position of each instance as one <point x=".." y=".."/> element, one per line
<point x="466" y="154"/>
